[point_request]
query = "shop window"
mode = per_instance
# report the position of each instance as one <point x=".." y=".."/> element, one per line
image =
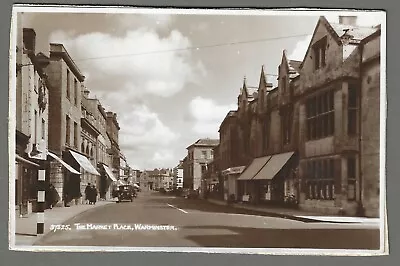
<point x="351" y="178"/>
<point x="320" y="116"/>
<point x="352" y="110"/>
<point x="319" y="49"/>
<point x="320" y="179"/>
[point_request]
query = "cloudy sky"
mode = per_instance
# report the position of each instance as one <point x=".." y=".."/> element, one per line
<point x="171" y="78"/>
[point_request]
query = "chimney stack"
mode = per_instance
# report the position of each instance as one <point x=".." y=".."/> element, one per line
<point x="348" y="20"/>
<point x="29" y="39"/>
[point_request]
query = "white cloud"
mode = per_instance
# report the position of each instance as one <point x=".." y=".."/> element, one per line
<point x="134" y="60"/>
<point x="300" y="49"/>
<point x="164" y="158"/>
<point x="208" y="115"/>
<point x="143" y="129"/>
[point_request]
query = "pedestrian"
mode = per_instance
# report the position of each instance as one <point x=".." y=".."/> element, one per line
<point x="94" y="194"/>
<point x="49" y="197"/>
<point x="87" y="193"/>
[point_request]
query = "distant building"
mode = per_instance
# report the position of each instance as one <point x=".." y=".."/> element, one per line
<point x="200" y="154"/>
<point x="178" y="176"/>
<point x="113" y="133"/>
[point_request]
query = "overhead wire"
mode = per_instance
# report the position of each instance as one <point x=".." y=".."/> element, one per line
<point x="193" y="47"/>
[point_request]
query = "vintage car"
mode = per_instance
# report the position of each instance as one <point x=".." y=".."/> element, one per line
<point x="125" y="192"/>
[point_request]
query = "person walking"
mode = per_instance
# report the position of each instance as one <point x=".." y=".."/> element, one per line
<point x="87" y="193"/>
<point x="94" y="194"/>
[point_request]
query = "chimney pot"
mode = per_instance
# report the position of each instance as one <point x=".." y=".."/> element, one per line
<point x="348" y="20"/>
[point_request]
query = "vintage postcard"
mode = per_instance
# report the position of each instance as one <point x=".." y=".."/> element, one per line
<point x="227" y="131"/>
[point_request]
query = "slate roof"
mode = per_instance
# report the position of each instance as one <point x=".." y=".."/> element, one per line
<point x="206" y="142"/>
<point x="357" y="32"/>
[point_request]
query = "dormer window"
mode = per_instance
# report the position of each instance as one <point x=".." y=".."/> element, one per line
<point x="319" y="49"/>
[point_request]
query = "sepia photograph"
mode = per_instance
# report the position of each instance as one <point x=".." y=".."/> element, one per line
<point x="197" y="130"/>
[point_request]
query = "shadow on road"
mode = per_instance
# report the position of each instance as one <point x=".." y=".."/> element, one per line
<point x="241" y="237"/>
<point x="205" y="206"/>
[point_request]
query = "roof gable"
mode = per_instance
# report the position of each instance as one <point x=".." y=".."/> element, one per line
<point x="322" y="22"/>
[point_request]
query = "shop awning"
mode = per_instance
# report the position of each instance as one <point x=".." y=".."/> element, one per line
<point x="69" y="167"/>
<point x="136" y="185"/>
<point x="23" y="160"/>
<point x="233" y="170"/>
<point x="254" y="168"/>
<point x="109" y="173"/>
<point x="273" y="166"/>
<point x="84" y="163"/>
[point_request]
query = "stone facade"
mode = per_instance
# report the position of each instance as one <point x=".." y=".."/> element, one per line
<point x="113" y="133"/>
<point x="200" y="154"/>
<point x="316" y="114"/>
<point x="65" y="81"/>
<point x="31" y="119"/>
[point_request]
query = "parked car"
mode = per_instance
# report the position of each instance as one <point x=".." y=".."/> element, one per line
<point x="126" y="192"/>
<point x="190" y="194"/>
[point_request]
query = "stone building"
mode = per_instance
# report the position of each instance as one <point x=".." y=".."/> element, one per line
<point x="65" y="83"/>
<point x="104" y="156"/>
<point x="200" y="154"/>
<point x="369" y="119"/>
<point x="113" y="133"/>
<point x="178" y="176"/>
<point x="89" y="135"/>
<point x="329" y="118"/>
<point x="307" y="137"/>
<point x="31" y="111"/>
<point x="185" y="166"/>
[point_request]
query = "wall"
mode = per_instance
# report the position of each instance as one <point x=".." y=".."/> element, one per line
<point x="370" y="121"/>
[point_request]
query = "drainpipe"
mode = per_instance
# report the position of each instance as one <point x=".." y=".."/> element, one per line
<point x="360" y="207"/>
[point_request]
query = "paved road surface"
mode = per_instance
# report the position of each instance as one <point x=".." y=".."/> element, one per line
<point x="198" y="223"/>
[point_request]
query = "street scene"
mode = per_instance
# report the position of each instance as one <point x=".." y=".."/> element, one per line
<point x="189" y="130"/>
<point x="204" y="224"/>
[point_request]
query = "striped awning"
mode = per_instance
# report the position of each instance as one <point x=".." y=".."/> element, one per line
<point x="84" y="163"/>
<point x="273" y="166"/>
<point x="256" y="165"/>
<point x="69" y="167"/>
<point x="23" y="160"/>
<point x="109" y="173"/>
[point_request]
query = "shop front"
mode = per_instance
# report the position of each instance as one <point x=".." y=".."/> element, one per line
<point x="107" y="181"/>
<point x="230" y="176"/>
<point x="26" y="173"/>
<point x="269" y="180"/>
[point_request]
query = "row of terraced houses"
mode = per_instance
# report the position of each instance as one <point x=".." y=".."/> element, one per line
<point x="313" y="139"/>
<point x="61" y="129"/>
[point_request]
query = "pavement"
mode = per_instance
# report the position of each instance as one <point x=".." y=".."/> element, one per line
<point x="296" y="214"/>
<point x="156" y="220"/>
<point x="25" y="227"/>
